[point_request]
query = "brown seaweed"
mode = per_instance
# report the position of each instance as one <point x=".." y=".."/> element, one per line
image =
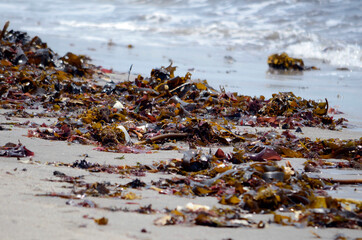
<point x="284" y="62"/>
<point x="15" y="150"/>
<point x="163" y="108"/>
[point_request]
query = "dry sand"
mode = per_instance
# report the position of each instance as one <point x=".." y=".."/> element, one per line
<point x="23" y="215"/>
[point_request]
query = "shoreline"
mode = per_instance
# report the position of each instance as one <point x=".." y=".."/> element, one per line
<point x="246" y="74"/>
<point x="62" y="188"/>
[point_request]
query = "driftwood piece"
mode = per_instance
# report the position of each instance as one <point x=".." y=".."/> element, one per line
<point x="162" y="136"/>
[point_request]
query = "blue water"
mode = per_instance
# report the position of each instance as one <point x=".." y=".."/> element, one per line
<point x="326" y="30"/>
<point x="225" y="42"/>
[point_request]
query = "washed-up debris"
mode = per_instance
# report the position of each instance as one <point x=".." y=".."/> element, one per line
<point x="284" y="62"/>
<point x="60" y="195"/>
<point x="65" y="178"/>
<point x="154" y="112"/>
<point x="101" y="221"/>
<point x="15" y="150"/>
<point x="251" y="187"/>
<point x="205" y="216"/>
<point x="86" y="203"/>
<point x="156" y="109"/>
<point x="126" y="170"/>
<point x="322" y="216"/>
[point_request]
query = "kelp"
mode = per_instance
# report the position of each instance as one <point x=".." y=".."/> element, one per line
<point x="287" y="192"/>
<point x="15" y="150"/>
<point x="255" y="187"/>
<point x="285" y="146"/>
<point x="81" y="189"/>
<point x="284" y="62"/>
<point x="172" y="107"/>
<point x="202" y="215"/>
<point x="152" y="113"/>
<point x="125" y="170"/>
<point x="322" y="217"/>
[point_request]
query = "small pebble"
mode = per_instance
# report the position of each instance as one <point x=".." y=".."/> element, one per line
<point x="298" y="130"/>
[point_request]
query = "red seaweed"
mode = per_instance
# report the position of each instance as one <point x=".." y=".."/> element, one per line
<point x="15" y="150"/>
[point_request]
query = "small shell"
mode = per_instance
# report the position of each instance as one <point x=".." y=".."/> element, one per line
<point x="118" y="105"/>
<point x="127" y="138"/>
<point x="196" y="207"/>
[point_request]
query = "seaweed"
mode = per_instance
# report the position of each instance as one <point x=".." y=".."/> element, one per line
<point x="152" y="113"/>
<point x="15" y="150"/>
<point x="64" y="86"/>
<point x="101" y="221"/>
<point x="255" y="187"/>
<point x="284" y="62"/>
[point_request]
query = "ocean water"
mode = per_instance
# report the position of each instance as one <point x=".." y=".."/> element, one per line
<point x="226" y="42"/>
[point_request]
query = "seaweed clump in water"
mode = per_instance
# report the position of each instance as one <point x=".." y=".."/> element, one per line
<point x="284" y="62"/>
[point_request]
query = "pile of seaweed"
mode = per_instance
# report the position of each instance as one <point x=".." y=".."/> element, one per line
<point x="153" y="112"/>
<point x="153" y="109"/>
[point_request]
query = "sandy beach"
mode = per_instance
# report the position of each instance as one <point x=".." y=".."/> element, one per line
<point x="25" y="215"/>
<point x="172" y="120"/>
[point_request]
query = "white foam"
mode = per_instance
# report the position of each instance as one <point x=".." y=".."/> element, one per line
<point x="343" y="56"/>
<point x="6" y="7"/>
<point x="332" y="22"/>
<point x="130" y="26"/>
<point x="297" y="27"/>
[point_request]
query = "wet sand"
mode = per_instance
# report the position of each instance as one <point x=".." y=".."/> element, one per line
<point x="24" y="215"/>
